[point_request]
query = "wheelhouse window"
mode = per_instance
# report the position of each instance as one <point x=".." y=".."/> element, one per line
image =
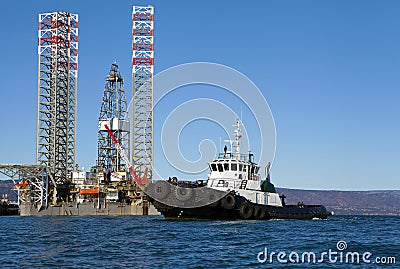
<point x="226" y="166"/>
<point x="244" y="168"/>
<point x="234" y="166"/>
<point x="220" y="168"/>
<point x="240" y="167"/>
<point x="213" y="167"/>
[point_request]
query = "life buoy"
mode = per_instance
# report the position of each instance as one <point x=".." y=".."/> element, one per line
<point x="259" y="212"/>
<point x="183" y="194"/>
<point x="161" y="190"/>
<point x="228" y="202"/>
<point x="246" y="210"/>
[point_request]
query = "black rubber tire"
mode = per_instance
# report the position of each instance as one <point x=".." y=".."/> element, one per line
<point x="183" y="194"/>
<point x="213" y="202"/>
<point x="161" y="190"/>
<point x="259" y="212"/>
<point x="228" y="202"/>
<point x="246" y="210"/>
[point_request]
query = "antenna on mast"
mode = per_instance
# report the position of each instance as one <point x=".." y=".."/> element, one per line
<point x="238" y="135"/>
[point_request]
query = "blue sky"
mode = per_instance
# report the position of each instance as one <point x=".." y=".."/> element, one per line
<point x="328" y="69"/>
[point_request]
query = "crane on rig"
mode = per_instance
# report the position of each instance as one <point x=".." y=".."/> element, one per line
<point x="140" y="181"/>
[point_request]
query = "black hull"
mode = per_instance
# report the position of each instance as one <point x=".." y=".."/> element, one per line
<point x="228" y="206"/>
<point x="219" y="213"/>
<point x="8" y="209"/>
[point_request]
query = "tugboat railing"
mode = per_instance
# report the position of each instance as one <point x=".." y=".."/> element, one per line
<point x="231" y="156"/>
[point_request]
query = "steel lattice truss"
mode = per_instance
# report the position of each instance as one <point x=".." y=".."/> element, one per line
<point x="142" y="75"/>
<point x="57" y="93"/>
<point x="38" y="182"/>
<point x="114" y="113"/>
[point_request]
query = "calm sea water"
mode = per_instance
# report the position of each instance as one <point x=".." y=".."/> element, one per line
<point x="151" y="242"/>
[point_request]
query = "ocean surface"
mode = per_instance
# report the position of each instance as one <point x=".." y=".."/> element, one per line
<point x="152" y="242"/>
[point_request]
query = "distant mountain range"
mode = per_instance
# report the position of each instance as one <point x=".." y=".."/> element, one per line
<point x="6" y="188"/>
<point x="380" y="202"/>
<point x="340" y="202"/>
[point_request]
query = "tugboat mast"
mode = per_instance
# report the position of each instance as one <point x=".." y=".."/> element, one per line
<point x="238" y="135"/>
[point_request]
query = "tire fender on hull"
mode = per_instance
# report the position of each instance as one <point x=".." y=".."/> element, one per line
<point x="161" y="190"/>
<point x="259" y="212"/>
<point x="212" y="200"/>
<point x="246" y="210"/>
<point x="228" y="202"/>
<point x="183" y="194"/>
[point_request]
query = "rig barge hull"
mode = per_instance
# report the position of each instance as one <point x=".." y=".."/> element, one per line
<point x="7" y="209"/>
<point x="89" y="209"/>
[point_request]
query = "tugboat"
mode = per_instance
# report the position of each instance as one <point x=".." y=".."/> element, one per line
<point x="233" y="191"/>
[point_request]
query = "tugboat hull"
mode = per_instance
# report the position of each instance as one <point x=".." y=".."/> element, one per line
<point x="207" y="203"/>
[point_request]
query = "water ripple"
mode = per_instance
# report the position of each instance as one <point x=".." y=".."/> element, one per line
<point x="150" y="242"/>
